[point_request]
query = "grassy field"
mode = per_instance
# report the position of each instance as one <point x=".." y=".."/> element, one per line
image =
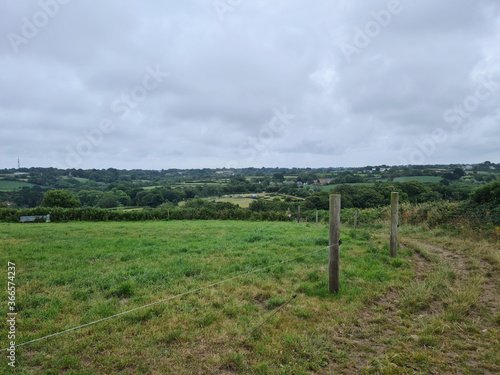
<point x="244" y="200"/>
<point x="433" y="309"/>
<point x="13" y="185"/>
<point x="435" y="179"/>
<point x="82" y="180"/>
<point x="330" y="187"/>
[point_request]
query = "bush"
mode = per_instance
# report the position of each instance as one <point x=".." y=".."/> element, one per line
<point x="487" y="194"/>
<point x="60" y="198"/>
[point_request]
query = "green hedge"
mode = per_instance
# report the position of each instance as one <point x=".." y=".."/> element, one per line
<point x="96" y="214"/>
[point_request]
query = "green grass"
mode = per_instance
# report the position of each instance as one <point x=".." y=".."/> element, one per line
<point x="416" y="312"/>
<point x="330" y="187"/>
<point x="13" y="185"/>
<point x="242" y="202"/>
<point x="187" y="184"/>
<point x="82" y="180"/>
<point x="70" y="274"/>
<point x="435" y="179"/>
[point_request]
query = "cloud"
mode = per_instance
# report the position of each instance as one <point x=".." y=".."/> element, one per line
<point x="227" y="76"/>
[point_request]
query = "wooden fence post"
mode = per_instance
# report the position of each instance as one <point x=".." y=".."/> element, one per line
<point x="355" y="219"/>
<point x="298" y="214"/>
<point x="334" y="256"/>
<point x="316" y="217"/>
<point x="394" y="223"/>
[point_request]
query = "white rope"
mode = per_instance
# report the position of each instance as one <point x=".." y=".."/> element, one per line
<point x="164" y="300"/>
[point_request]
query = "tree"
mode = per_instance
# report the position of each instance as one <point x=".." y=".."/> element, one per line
<point x="60" y="198"/>
<point x="108" y="200"/>
<point x="458" y="173"/>
<point x="489" y="194"/>
<point x="278" y="177"/>
<point x="89" y="197"/>
<point x="318" y="201"/>
<point x="151" y="198"/>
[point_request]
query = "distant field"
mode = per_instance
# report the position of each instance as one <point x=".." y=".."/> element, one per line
<point x="79" y="179"/>
<point x="197" y="183"/>
<point x="13" y="185"/>
<point x="330" y="187"/>
<point x="435" y="179"/>
<point x="242" y="202"/>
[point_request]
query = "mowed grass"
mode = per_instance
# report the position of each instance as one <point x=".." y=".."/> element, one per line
<point x="69" y="274"/>
<point x="6" y="185"/>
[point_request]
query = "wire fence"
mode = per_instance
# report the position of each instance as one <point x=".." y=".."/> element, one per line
<point x="166" y="299"/>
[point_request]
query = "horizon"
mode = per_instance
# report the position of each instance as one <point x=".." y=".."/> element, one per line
<point x="276" y="167"/>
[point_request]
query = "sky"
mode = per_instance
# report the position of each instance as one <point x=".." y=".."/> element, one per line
<point x="248" y="83"/>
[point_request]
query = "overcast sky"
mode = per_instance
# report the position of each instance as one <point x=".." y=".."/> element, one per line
<point x="234" y="83"/>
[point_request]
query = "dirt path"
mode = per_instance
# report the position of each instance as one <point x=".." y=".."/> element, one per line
<point x="386" y="340"/>
<point x="465" y="267"/>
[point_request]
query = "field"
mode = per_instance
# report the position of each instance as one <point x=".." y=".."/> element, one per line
<point x="13" y="185"/>
<point x="79" y="179"/>
<point x="244" y="200"/>
<point x="418" y="178"/>
<point x="330" y="187"/>
<point x="433" y="309"/>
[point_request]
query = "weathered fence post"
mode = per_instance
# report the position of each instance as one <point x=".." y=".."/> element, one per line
<point x="355" y="219"/>
<point x="394" y="223"/>
<point x="333" y="263"/>
<point x="316" y="217"/>
<point x="298" y="214"/>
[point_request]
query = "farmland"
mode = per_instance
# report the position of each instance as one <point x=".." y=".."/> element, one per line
<point x="109" y="188"/>
<point x="424" y="179"/>
<point x="244" y="200"/>
<point x="433" y="309"/>
<point x="6" y="185"/>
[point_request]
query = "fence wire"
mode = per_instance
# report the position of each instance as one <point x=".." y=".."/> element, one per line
<point x="165" y="300"/>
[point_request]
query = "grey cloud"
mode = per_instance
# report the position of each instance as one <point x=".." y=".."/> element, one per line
<point x="227" y="77"/>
